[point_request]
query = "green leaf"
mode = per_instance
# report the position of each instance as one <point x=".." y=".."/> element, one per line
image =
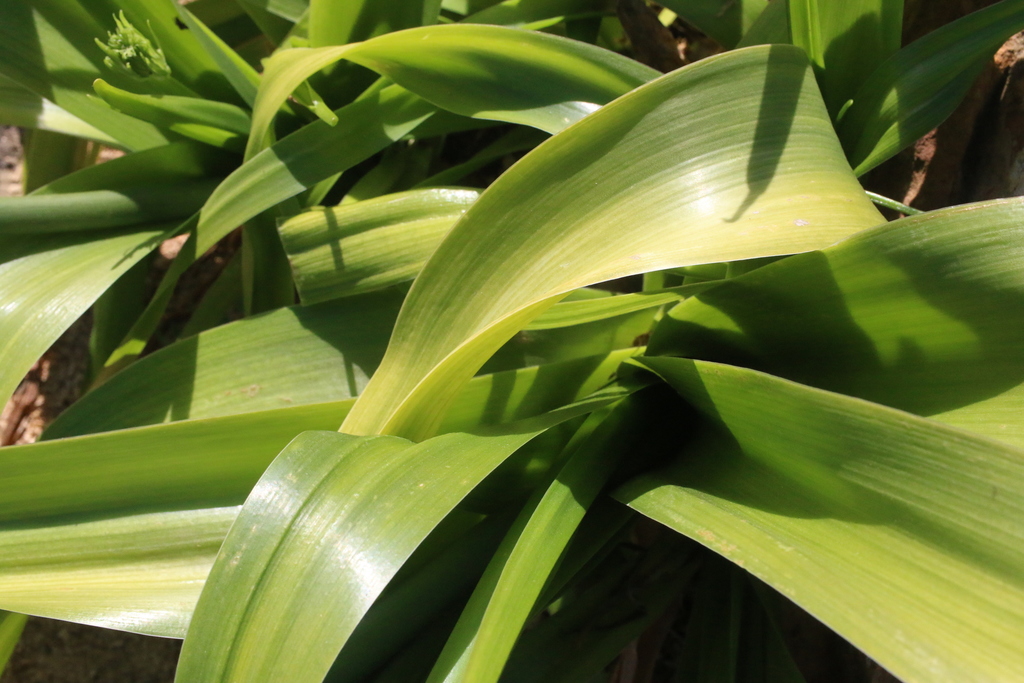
<point x="292" y="356"/>
<point x="579" y="312"/>
<point x="179" y="163"/>
<point x="876" y="521"/>
<point x="520" y="139"/>
<point x="521" y="13"/>
<point x="214" y="123"/>
<point x="372" y="244"/>
<point x="243" y="78"/>
<point x="22" y="107"/>
<point x="924" y="314"/>
<point x="917" y="88"/>
<point x="770" y="27"/>
<point x="339" y="22"/>
<point x="312" y="548"/>
<point x="101" y="209"/>
<point x="724" y="20"/>
<point x="503" y="600"/>
<point x="166" y="495"/>
<point x="846" y="42"/>
<point x="47" y="289"/>
<point x="487" y="72"/>
<point x="306" y="157"/>
<point x="11" y="626"/>
<point x="610" y="607"/>
<point x="626" y="190"/>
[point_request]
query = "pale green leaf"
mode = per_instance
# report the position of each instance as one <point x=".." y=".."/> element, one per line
<point x="312" y="548"/>
<point x="901" y="534"/>
<point x="487" y="72"/>
<point x="925" y="314"/>
<point x="22" y="107"/>
<point x="288" y="357"/>
<point x="372" y="244"/>
<point x="626" y="190"/>
<point x="208" y="121"/>
<point x="918" y="87"/>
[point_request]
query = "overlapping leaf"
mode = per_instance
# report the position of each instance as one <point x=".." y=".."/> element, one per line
<point x="345" y="250"/>
<point x="627" y="190"/>
<point x="917" y="88"/>
<point x="924" y="314"/>
<point x="900" y="533"/>
<point x="312" y="548"/>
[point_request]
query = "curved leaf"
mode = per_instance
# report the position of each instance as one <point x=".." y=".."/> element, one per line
<point x="903" y="535"/>
<point x="22" y="107"/>
<point x="918" y="87"/>
<point x="925" y="314"/>
<point x="312" y="548"/>
<point x="724" y="20"/>
<point x="211" y="122"/>
<point x="627" y="190"/>
<point x="292" y="356"/>
<point x="567" y="313"/>
<point x="46" y="290"/>
<point x="482" y="71"/>
<point x="376" y="243"/>
<point x="523" y="565"/>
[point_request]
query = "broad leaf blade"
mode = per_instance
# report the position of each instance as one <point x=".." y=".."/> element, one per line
<point x="626" y="190"/>
<point x="876" y="521"/>
<point x="345" y="250"/>
<point x="918" y="87"/>
<point x="923" y="314"/>
<point x="487" y="72"/>
<point x="312" y="548"/>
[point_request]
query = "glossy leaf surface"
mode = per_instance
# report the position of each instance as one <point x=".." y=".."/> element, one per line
<point x="624" y="191"/>
<point x="348" y="249"/>
<point x="876" y="521"/>
<point x="923" y="314"/>
<point x="917" y="88"/>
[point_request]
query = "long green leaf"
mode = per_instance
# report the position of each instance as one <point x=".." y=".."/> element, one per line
<point x="846" y="42"/>
<point x="48" y="280"/>
<point x="11" y="626"/>
<point x="918" y="87"/>
<point x="214" y="123"/>
<point x="306" y="157"/>
<point x="101" y="209"/>
<point x="521" y="13"/>
<point x="22" y="107"/>
<point x="339" y="22"/>
<point x="503" y="600"/>
<point x="924" y="314"/>
<point x="901" y="534"/>
<point x="626" y="190"/>
<point x="45" y="291"/>
<point x="243" y="78"/>
<point x="288" y="357"/>
<point x="312" y="536"/>
<point x="482" y="71"/>
<point x="579" y="312"/>
<point x="168" y="492"/>
<point x="353" y="248"/>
